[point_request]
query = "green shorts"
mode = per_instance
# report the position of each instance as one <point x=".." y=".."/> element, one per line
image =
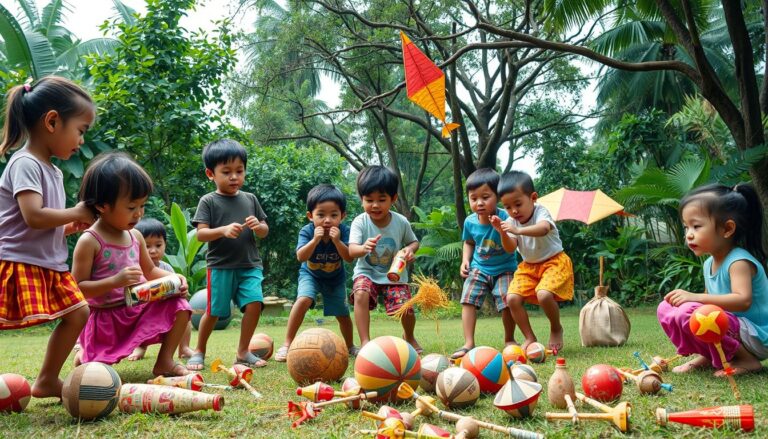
<point x="239" y="285"/>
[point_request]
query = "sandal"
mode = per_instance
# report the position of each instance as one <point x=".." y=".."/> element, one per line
<point x="282" y="354"/>
<point x="196" y="361"/>
<point x="353" y="351"/>
<point x="251" y="360"/>
<point x="460" y="353"/>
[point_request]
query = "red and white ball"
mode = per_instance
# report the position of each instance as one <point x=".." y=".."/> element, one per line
<point x="431" y="366"/>
<point x="14" y="392"/>
<point x="261" y="345"/>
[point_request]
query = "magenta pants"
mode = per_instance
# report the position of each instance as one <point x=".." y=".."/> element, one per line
<point x="674" y="322"/>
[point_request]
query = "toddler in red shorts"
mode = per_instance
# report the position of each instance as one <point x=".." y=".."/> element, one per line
<point x="376" y="236"/>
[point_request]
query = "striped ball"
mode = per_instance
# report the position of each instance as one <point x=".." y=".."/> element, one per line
<point x="14" y="392"/>
<point x="487" y="365"/>
<point x="457" y="388"/>
<point x="536" y="352"/>
<point x="524" y="372"/>
<point x="385" y="363"/>
<point x="91" y="391"/>
<point x="261" y="345"/>
<point x="431" y="366"/>
<point x="513" y="353"/>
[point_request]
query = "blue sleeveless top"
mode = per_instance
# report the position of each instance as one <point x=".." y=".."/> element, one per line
<point x="720" y="283"/>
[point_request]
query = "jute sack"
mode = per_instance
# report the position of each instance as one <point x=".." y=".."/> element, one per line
<point x="602" y="322"/>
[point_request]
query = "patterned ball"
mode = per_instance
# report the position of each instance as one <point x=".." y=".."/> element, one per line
<point x="91" y="391"/>
<point x="487" y="365"/>
<point x="457" y="387"/>
<point x="385" y="363"/>
<point x="433" y="430"/>
<point x="513" y="353"/>
<point x="536" y="352"/>
<point x="431" y="366"/>
<point x="524" y="372"/>
<point x="602" y="382"/>
<point x="709" y="323"/>
<point x="351" y="385"/>
<point x="14" y="392"/>
<point x="317" y="354"/>
<point x="261" y="345"/>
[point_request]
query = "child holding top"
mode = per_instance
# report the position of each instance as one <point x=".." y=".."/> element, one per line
<point x="322" y="250"/>
<point x="35" y="284"/>
<point x="545" y="277"/>
<point x="230" y="220"/>
<point x="376" y="236"/>
<point x="486" y="266"/>
<point x="112" y="255"/>
<point x="727" y="224"/>
<point x="156" y="239"/>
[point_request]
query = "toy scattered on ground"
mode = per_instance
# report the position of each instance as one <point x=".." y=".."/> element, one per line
<point x="148" y="398"/>
<point x="603" y="322"/>
<point x="91" y="391"/>
<point x="428" y="408"/>
<point x="658" y="364"/>
<point x="351" y="387"/>
<point x="457" y="388"/>
<point x="154" y="290"/>
<point x="518" y="398"/>
<point x="320" y="392"/>
<point x="317" y="354"/>
<point x="736" y="416"/>
<point x="15" y="392"/>
<point x="602" y="382"/>
<point x="261" y="345"/>
<point x="560" y="385"/>
<point x="537" y="353"/>
<point x="431" y="366"/>
<point x="392" y="429"/>
<point x="192" y="381"/>
<point x="487" y="365"/>
<point x="648" y="382"/>
<point x="198" y="302"/>
<point x="709" y="323"/>
<point x="386" y="411"/>
<point x="240" y="376"/>
<point x="523" y="372"/>
<point x="306" y="410"/>
<point x="619" y="416"/>
<point x="385" y="363"/>
<point x="513" y="353"/>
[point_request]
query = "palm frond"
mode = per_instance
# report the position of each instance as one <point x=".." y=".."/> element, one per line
<point x="625" y="35"/>
<point x="52" y="15"/>
<point x="563" y="14"/>
<point x="31" y="14"/>
<point x="98" y="46"/>
<point x="450" y="251"/>
<point x="27" y="49"/>
<point x="124" y="12"/>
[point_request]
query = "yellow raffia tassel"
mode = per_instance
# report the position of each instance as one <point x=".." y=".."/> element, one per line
<point x="429" y="299"/>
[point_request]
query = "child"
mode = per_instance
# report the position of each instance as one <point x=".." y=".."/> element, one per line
<point x="155" y="237"/>
<point x="322" y="248"/>
<point x="234" y="265"/>
<point x="111" y="256"/>
<point x="485" y="265"/>
<point x="545" y="276"/>
<point x="35" y="283"/>
<point x="727" y="224"/>
<point x="375" y="238"/>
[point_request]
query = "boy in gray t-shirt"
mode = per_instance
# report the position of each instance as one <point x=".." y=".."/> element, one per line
<point x="235" y="273"/>
<point x="375" y="239"/>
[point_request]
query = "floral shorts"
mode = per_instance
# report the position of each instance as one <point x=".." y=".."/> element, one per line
<point x="395" y="295"/>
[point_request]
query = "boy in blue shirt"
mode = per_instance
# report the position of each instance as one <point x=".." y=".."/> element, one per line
<point x="485" y="265"/>
<point x="322" y="248"/>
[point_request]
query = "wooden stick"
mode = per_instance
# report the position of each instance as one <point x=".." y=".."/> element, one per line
<point x="571" y="408"/>
<point x="216" y="366"/>
<point x="594" y="403"/>
<point x="367" y="395"/>
<point x="728" y="371"/>
<point x="601" y="270"/>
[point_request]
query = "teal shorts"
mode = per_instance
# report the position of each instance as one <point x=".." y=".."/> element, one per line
<point x="334" y="294"/>
<point x="239" y="285"/>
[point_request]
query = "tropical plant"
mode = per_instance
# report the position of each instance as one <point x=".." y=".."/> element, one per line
<point x="189" y="259"/>
<point x="440" y="249"/>
<point x="679" y="268"/>
<point x="627" y="266"/>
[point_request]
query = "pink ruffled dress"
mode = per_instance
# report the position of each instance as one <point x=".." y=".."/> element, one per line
<point x="113" y="329"/>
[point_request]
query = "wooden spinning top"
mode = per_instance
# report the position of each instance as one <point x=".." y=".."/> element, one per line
<point x="518" y="397"/>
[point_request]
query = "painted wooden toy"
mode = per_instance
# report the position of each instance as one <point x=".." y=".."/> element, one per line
<point x="240" y="375"/>
<point x="602" y="382"/>
<point x="709" y="323"/>
<point x="306" y="410"/>
<point x="320" y="391"/>
<point x="648" y="382"/>
<point x="518" y="398"/>
<point x="737" y="416"/>
<point x="192" y="381"/>
<point x="148" y="398"/>
<point x="537" y="353"/>
<point x="559" y="385"/>
<point x="619" y="415"/>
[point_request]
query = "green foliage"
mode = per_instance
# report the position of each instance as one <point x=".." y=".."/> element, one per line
<point x="283" y="175"/>
<point x="440" y="249"/>
<point x="189" y="259"/>
<point x="160" y="95"/>
<point x="627" y="268"/>
<point x="680" y="268"/>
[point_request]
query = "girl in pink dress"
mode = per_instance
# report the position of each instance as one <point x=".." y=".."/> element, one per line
<point x="110" y="256"/>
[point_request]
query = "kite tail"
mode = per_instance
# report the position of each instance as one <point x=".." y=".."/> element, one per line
<point x="447" y="128"/>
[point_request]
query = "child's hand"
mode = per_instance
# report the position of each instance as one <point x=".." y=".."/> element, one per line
<point x="184" y="286"/>
<point x="679" y="297"/>
<point x="507" y="227"/>
<point x="319" y="234"/>
<point x="252" y="222"/>
<point x="408" y="255"/>
<point x="233" y="230"/>
<point x="335" y="234"/>
<point x="464" y="270"/>
<point x="370" y="244"/>
<point x="74" y="227"/>
<point x="496" y="223"/>
<point x="83" y="214"/>
<point x="129" y="276"/>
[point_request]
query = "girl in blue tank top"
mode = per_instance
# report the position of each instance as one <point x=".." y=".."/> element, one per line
<point x="725" y="223"/>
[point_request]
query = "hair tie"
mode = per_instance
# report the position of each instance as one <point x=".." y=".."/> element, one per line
<point x="27" y="88"/>
<point x="735" y="187"/>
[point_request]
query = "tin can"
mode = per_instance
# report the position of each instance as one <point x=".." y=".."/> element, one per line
<point x="397" y="267"/>
<point x="154" y="290"/>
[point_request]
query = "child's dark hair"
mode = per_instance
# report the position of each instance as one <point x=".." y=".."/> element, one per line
<point x="377" y="178"/>
<point x="149" y="227"/>
<point x="483" y="176"/>
<point x="26" y="104"/>
<point x="326" y="192"/>
<point x="514" y="180"/>
<point x="111" y="175"/>
<point x="223" y="151"/>
<point x="740" y="204"/>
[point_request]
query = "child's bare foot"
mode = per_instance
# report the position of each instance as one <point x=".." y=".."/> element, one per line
<point x="699" y="362"/>
<point x="556" y="340"/>
<point x="743" y="362"/>
<point x="47" y="389"/>
<point x="137" y="354"/>
<point x="185" y="353"/>
<point x="527" y="341"/>
<point x="170" y="370"/>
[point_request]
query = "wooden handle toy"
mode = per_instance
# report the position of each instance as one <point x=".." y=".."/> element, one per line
<point x="319" y="392"/>
<point x="619" y="415"/>
<point x="738" y="416"/>
<point x="240" y="376"/>
<point x="192" y="381"/>
<point x="150" y="398"/>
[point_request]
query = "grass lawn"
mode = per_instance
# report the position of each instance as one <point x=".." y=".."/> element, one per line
<point x="245" y="417"/>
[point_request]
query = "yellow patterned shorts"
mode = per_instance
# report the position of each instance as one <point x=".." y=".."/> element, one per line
<point x="554" y="275"/>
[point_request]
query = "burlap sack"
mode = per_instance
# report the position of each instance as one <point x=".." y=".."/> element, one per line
<point x="602" y="322"/>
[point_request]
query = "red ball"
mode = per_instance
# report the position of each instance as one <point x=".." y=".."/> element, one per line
<point x="602" y="382"/>
<point x="14" y="392"/>
<point x="709" y="323"/>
